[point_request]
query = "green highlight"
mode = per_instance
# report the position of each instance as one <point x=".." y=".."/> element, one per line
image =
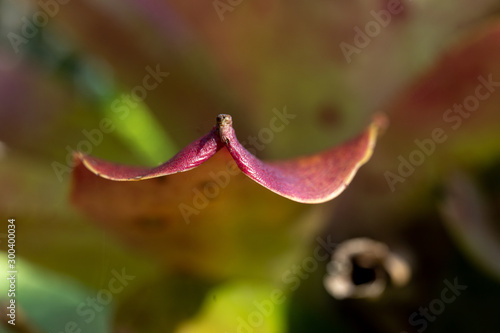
<point x="140" y="130"/>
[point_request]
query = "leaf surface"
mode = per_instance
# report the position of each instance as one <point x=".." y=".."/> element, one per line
<point x="310" y="179"/>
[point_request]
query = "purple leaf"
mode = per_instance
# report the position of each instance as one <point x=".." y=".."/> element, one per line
<point x="309" y="179"/>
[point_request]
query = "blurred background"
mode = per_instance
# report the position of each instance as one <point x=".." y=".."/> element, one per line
<point x="412" y="245"/>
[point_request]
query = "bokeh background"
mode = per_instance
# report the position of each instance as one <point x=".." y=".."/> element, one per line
<point x="72" y="77"/>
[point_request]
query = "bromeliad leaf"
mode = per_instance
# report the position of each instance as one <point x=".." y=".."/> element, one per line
<point x="309" y="179"/>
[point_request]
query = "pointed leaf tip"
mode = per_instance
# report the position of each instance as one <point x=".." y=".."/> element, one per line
<point x="315" y="178"/>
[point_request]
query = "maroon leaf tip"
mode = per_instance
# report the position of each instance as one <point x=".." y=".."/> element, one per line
<point x="309" y="179"/>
